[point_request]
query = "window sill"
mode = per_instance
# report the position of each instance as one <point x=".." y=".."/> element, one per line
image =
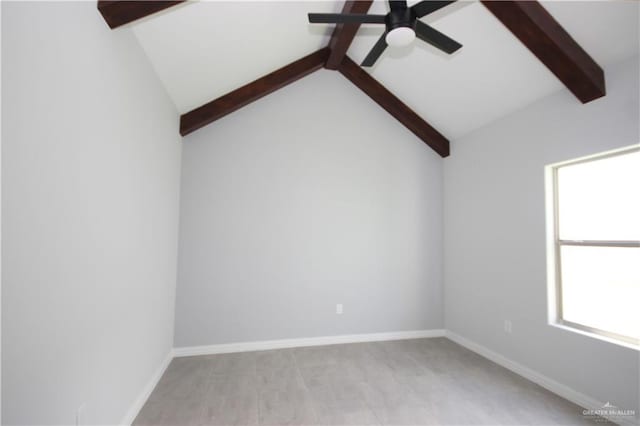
<point x="617" y="342"/>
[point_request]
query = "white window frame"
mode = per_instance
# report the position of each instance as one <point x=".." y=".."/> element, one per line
<point x="554" y="244"/>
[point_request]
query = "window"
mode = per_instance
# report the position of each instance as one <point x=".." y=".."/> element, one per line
<point x="594" y="245"/>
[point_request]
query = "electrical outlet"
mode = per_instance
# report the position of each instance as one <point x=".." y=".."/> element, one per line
<point x="339" y="309"/>
<point x="507" y="326"/>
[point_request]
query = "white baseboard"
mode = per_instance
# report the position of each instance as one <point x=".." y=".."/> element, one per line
<point x="566" y="392"/>
<point x="310" y="341"/>
<point x="144" y="395"/>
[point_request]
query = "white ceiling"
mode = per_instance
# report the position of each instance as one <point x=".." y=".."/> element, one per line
<point x="203" y="50"/>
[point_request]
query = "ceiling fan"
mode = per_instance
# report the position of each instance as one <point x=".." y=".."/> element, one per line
<point x="402" y="26"/>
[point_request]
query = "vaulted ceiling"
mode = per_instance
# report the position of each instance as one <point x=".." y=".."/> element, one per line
<point x="203" y="50"/>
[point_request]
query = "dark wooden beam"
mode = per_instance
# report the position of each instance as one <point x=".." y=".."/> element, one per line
<point x="545" y="38"/>
<point x="118" y="12"/>
<point x="218" y="108"/>
<point x="394" y="106"/>
<point x="343" y="34"/>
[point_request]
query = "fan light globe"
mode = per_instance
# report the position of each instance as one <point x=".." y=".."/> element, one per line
<point x="401" y="36"/>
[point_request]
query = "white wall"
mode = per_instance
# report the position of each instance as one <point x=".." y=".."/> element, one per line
<point x="495" y="235"/>
<point x="309" y="197"/>
<point x="90" y="174"/>
<point x="0" y="239"/>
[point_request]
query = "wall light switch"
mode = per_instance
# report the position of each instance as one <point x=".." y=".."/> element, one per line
<point x="339" y="309"/>
<point x="80" y="415"/>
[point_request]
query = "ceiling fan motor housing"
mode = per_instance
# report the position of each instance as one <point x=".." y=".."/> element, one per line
<point x="400" y="18"/>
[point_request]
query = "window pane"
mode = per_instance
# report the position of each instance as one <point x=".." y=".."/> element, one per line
<point x="601" y="288"/>
<point x="600" y="199"/>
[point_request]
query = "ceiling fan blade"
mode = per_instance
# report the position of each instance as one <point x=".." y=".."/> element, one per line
<point x="397" y="4"/>
<point x="376" y="51"/>
<point x="345" y="18"/>
<point x="427" y="6"/>
<point x="435" y="38"/>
